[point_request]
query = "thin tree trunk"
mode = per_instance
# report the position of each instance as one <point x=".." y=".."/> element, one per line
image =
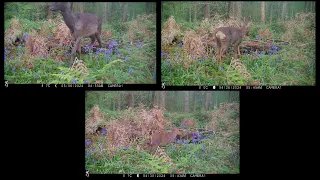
<point x="305" y="6"/>
<point x="270" y="12"/>
<point x="105" y="19"/>
<point x="207" y="10"/>
<point x="187" y="109"/>
<point x="194" y="102"/>
<point x="190" y="10"/>
<point x="263" y="13"/>
<point x="130" y="99"/>
<point x="284" y="8"/>
<point x="163" y="99"/>
<point x="239" y="8"/>
<point x="125" y="12"/>
<point x="229" y="9"/>
<point x="119" y="101"/>
<point x="195" y="12"/>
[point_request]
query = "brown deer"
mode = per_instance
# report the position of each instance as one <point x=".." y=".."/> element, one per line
<point x="163" y="138"/>
<point x="226" y="36"/>
<point x="80" y="25"/>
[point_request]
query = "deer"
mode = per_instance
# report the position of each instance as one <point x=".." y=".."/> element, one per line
<point x="81" y="25"/>
<point x="163" y="138"/>
<point x="226" y="36"/>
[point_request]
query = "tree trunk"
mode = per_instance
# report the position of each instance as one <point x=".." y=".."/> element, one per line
<point x="119" y="101"/>
<point x="284" y="8"/>
<point x="194" y="102"/>
<point x="305" y="6"/>
<point x="239" y="8"/>
<point x="270" y="12"/>
<point x="130" y="99"/>
<point x="229" y="9"/>
<point x="195" y="12"/>
<point x="105" y="17"/>
<point x="154" y="98"/>
<point x="163" y="99"/>
<point x="207" y="100"/>
<point x="125" y="12"/>
<point x="190" y="10"/>
<point x="207" y="10"/>
<point x="263" y="12"/>
<point x="112" y="12"/>
<point x="187" y="109"/>
<point x="81" y="7"/>
<point x="148" y="7"/>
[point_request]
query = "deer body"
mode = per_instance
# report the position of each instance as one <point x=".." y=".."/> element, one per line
<point x="163" y="138"/>
<point x="80" y="25"/>
<point x="230" y="36"/>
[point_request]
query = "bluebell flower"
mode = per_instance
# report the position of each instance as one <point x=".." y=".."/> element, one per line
<point x="108" y="51"/>
<point x="25" y="35"/>
<point x="261" y="54"/>
<point x="139" y="44"/>
<point x="163" y="54"/>
<point x="130" y="70"/>
<point x="87" y="142"/>
<point x="180" y="44"/>
<point x="74" y="81"/>
<point x="13" y="69"/>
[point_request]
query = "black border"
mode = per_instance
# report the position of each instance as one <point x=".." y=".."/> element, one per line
<point x="43" y="129"/>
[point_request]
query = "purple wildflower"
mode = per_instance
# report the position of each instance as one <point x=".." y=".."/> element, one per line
<point x="74" y="81"/>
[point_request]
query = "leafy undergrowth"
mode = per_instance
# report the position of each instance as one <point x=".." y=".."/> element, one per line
<point x="288" y="66"/>
<point x="120" y="61"/>
<point x="217" y="153"/>
<point x="284" y="64"/>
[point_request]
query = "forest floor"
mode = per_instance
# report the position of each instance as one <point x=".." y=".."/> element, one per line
<point x="39" y="52"/>
<point x="112" y="152"/>
<point x="291" y="63"/>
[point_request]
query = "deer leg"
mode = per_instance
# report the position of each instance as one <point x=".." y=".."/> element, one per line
<point x="74" y="50"/>
<point x="93" y="39"/>
<point x="220" y="51"/>
<point x="235" y="52"/>
<point x="79" y="51"/>
<point x="99" y="40"/>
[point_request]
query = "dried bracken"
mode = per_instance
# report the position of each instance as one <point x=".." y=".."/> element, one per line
<point x="193" y="45"/>
<point x="13" y="31"/>
<point x="140" y="29"/>
<point x="94" y="118"/>
<point x="169" y="31"/>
